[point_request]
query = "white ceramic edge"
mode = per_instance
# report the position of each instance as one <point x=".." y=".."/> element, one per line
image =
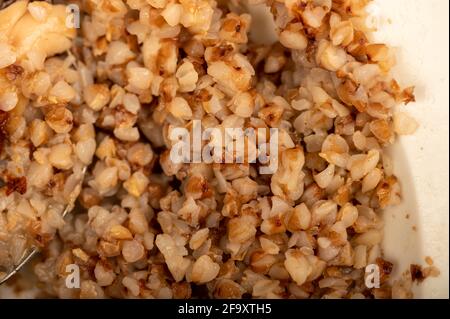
<point x="419" y="31"/>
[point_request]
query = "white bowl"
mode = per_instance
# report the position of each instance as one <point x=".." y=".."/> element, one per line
<point x="419" y="31"/>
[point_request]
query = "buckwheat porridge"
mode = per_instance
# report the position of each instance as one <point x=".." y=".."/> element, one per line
<point x="108" y="95"/>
